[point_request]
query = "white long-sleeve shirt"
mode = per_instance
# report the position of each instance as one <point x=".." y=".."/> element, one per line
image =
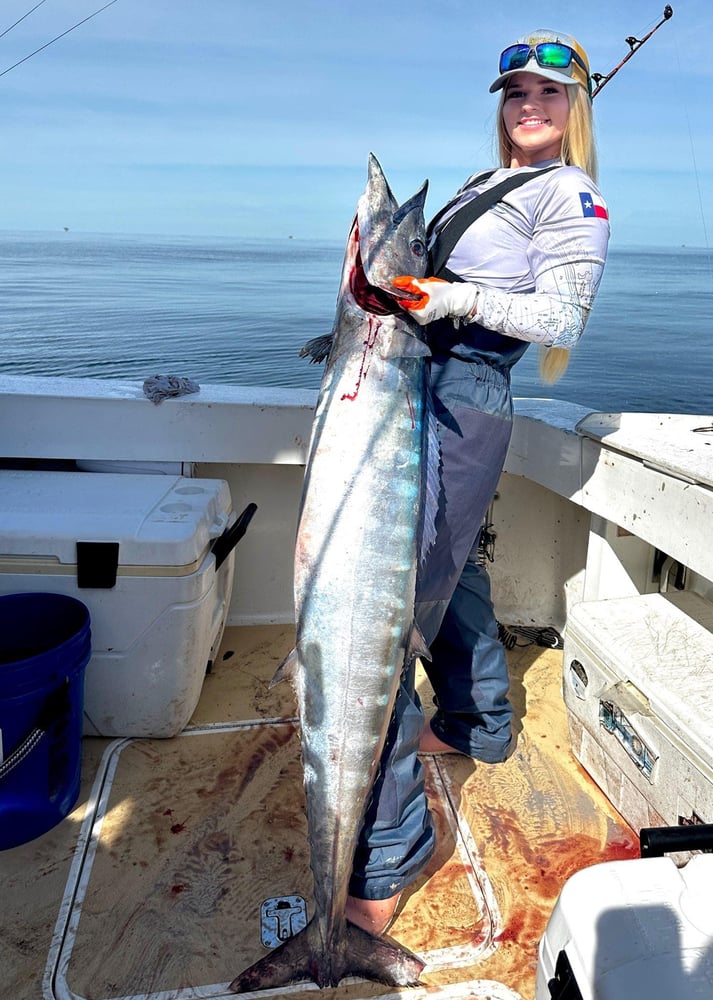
<point x="537" y="258"/>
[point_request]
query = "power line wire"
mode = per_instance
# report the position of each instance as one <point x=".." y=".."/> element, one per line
<point x="22" y="18"/>
<point x="57" y="38"/>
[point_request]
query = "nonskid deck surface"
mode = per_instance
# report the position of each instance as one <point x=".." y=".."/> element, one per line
<point x="158" y="884"/>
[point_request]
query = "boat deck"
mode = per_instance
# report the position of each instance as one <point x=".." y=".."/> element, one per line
<point x="183" y="857"/>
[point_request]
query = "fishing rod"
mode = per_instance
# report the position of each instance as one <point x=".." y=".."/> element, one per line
<point x="634" y="45"/>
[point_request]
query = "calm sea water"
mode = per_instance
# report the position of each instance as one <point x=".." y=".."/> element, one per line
<point x="238" y="311"/>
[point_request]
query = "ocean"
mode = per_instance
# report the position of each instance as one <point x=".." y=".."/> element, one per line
<point x="222" y="310"/>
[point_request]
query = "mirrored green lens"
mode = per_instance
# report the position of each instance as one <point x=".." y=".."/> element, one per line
<point x="553" y="54"/>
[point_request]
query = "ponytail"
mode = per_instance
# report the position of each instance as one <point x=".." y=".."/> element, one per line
<point x="553" y="363"/>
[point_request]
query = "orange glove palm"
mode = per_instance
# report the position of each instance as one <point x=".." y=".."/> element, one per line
<point x="432" y="298"/>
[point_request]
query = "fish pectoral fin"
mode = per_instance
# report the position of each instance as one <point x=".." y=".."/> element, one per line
<point x="402" y="344"/>
<point x="416" y="646"/>
<point x="287" y="669"/>
<point x="318" y="348"/>
<point x="380" y="960"/>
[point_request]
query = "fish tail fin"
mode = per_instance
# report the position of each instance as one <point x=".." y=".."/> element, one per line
<point x="289" y="963"/>
<point x="304" y="957"/>
<point x="380" y="960"/>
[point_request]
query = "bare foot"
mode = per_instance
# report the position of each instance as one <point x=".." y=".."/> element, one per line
<point x="373" y="915"/>
<point x="430" y="743"/>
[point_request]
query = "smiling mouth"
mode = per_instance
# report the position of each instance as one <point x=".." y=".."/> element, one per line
<point x="533" y="122"/>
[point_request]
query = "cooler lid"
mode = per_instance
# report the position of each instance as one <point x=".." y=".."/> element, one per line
<point x="663" y="644"/>
<point x="156" y="520"/>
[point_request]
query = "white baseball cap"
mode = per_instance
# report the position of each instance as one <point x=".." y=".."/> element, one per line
<point x="551" y="54"/>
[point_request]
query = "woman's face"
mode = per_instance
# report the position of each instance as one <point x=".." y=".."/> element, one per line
<point x="535" y="113"/>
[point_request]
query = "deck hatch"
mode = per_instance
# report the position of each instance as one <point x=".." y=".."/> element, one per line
<point x="189" y="864"/>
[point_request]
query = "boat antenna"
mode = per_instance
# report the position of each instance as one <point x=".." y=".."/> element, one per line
<point x="52" y="40"/>
<point x="634" y="45"/>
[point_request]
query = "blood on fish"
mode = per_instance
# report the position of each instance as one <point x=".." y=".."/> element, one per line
<point x="411" y="410"/>
<point x="374" y="325"/>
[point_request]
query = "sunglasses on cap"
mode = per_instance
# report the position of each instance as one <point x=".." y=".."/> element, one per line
<point x="549" y="55"/>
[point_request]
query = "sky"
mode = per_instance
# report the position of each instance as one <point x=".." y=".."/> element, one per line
<point x="255" y="118"/>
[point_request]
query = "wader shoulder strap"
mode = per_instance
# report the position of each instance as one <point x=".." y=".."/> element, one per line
<point x="466" y="216"/>
<point x="477" y="179"/>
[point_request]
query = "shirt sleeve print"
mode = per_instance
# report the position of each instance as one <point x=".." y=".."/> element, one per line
<point x="554" y="315"/>
<point x="567" y="255"/>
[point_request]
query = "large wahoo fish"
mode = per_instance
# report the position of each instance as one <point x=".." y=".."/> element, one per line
<point x="362" y="520"/>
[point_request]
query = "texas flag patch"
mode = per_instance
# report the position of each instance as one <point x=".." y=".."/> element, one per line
<point x="592" y="206"/>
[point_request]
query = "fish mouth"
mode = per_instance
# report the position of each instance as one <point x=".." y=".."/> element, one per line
<point x="368" y="297"/>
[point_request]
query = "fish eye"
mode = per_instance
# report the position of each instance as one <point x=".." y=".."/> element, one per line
<point x="418" y="248"/>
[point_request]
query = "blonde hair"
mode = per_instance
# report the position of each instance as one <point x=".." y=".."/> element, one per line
<point x="578" y="150"/>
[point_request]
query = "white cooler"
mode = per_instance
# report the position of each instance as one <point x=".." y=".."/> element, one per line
<point x="638" y="686"/>
<point x="631" y="930"/>
<point x="137" y="551"/>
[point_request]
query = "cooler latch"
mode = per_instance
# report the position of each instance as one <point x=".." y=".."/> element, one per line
<point x="614" y="703"/>
<point x="97" y="564"/>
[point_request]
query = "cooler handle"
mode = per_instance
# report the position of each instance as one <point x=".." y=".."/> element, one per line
<point x="656" y="841"/>
<point x="225" y="543"/>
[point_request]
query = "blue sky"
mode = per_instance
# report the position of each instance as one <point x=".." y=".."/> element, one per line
<point x="256" y="117"/>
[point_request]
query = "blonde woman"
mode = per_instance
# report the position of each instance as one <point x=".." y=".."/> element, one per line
<point x="521" y="249"/>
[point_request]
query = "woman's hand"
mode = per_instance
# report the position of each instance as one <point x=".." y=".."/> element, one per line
<point x="432" y="298"/>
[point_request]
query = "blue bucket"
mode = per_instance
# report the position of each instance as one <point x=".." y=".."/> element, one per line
<point x="45" y="645"/>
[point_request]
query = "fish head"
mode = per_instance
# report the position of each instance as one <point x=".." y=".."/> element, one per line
<point x="392" y="237"/>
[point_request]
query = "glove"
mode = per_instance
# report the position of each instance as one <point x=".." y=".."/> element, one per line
<point x="437" y="299"/>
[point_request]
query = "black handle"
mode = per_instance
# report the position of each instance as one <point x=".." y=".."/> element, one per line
<point x="225" y="543"/>
<point x="656" y="841"/>
<point x="57" y="706"/>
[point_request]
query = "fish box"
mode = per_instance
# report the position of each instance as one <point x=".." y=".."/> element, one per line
<point x="637" y="686"/>
<point x="137" y="550"/>
<point x="627" y="929"/>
